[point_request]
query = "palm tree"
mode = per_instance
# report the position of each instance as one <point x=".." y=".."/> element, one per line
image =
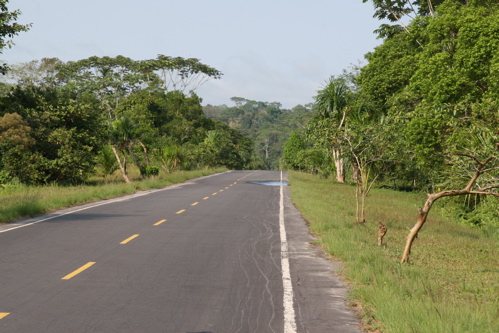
<point x="332" y="107"/>
<point x="122" y="135"/>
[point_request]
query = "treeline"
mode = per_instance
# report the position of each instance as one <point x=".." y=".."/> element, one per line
<point x="422" y="114"/>
<point x="267" y="124"/>
<point x="62" y="121"/>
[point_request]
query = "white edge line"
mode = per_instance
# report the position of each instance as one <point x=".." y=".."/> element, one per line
<point x="128" y="197"/>
<point x="289" y="310"/>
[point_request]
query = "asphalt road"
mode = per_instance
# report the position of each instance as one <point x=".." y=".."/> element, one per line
<point x="204" y="256"/>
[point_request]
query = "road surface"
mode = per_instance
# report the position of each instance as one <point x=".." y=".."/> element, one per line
<point x="222" y="254"/>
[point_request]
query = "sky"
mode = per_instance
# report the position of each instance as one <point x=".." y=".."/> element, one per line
<point x="268" y="50"/>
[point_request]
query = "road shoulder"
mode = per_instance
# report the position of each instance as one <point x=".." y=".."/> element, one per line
<point x="319" y="292"/>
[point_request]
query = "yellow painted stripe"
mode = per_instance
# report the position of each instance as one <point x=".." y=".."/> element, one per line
<point x="215" y="193"/>
<point x="181" y="211"/>
<point x="226" y="188"/>
<point x="194" y="204"/>
<point x="129" y="239"/>
<point x="235" y="183"/>
<point x="4" y="314"/>
<point x="78" y="271"/>
<point x="159" y="222"/>
<point x="206" y="198"/>
<point x="221" y="191"/>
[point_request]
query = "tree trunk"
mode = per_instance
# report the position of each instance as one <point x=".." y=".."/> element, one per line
<point x="355" y="172"/>
<point x="130" y="150"/>
<point x="339" y="163"/>
<point x="146" y="154"/>
<point x="423" y="212"/>
<point x="363" y="194"/>
<point x="121" y="165"/>
<point x="422" y="215"/>
<point x="357" y="209"/>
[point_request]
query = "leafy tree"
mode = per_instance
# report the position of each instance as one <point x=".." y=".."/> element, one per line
<point x="9" y="28"/>
<point x="179" y="74"/>
<point x="36" y="72"/>
<point x="63" y="138"/>
<point x="122" y="134"/>
<point x="267" y="124"/>
<point x="326" y="128"/>
<point x="292" y="148"/>
<point x="483" y="180"/>
<point x="441" y="71"/>
<point x="110" y="80"/>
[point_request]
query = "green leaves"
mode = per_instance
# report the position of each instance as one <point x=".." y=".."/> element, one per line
<point x="8" y="29"/>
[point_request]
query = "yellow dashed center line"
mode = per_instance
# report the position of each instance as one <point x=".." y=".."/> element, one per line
<point x="129" y="239"/>
<point x="235" y="183"/>
<point x="159" y="222"/>
<point x="221" y="191"/>
<point x="78" y="271"/>
<point x="214" y="193"/>
<point x="194" y="204"/>
<point x="181" y="211"/>
<point x="206" y="198"/>
<point x="226" y="188"/>
<point x="4" y="314"/>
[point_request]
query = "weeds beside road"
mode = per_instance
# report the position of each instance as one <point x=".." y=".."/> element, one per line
<point x="451" y="283"/>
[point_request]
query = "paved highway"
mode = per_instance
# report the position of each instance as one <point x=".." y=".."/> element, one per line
<point x="222" y="254"/>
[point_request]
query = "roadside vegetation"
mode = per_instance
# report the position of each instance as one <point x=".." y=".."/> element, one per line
<point x="22" y="201"/>
<point x="422" y="115"/>
<point x="451" y="283"/>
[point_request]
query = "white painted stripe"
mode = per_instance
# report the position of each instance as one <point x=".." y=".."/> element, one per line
<point x="289" y="310"/>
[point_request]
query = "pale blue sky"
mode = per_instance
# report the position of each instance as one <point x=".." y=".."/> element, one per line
<point x="268" y="50"/>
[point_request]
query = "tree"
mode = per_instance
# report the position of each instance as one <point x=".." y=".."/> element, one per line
<point x="267" y="124"/>
<point x="36" y="72"/>
<point x="292" y="148"/>
<point x="366" y="144"/>
<point x="486" y="167"/>
<point x="110" y="80"/>
<point x="122" y="133"/>
<point x="8" y="29"/>
<point x="331" y="113"/>
<point x="64" y="135"/>
<point x="177" y="73"/>
<point x="444" y="69"/>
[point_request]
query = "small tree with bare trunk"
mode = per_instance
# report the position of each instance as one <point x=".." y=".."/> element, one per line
<point x="484" y="180"/>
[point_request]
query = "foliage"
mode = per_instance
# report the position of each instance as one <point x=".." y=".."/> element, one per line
<point x="292" y="148"/>
<point x="149" y="171"/>
<point x="107" y="160"/>
<point x="56" y="136"/>
<point x="8" y="29"/>
<point x="60" y="119"/>
<point x="179" y="74"/>
<point x="267" y="124"/>
<point x="428" y="91"/>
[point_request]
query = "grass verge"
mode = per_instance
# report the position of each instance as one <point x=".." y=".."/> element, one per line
<point x="23" y="201"/>
<point x="451" y="283"/>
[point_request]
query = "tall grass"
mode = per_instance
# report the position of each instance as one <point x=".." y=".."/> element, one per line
<point x="451" y="283"/>
<point x="26" y="201"/>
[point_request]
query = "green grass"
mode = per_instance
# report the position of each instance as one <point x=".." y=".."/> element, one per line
<point x="451" y="283"/>
<point x="26" y="201"/>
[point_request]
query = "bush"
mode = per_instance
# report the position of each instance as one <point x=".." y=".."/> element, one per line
<point x="149" y="171"/>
